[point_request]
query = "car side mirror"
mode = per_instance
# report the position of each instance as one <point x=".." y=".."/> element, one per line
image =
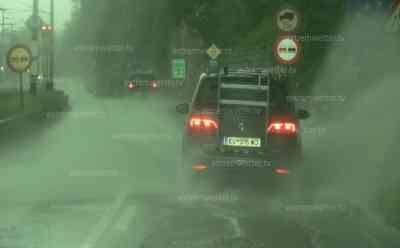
<point x="303" y="114"/>
<point x="182" y="108"/>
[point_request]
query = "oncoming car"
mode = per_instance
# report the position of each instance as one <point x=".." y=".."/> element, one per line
<point x="240" y="127"/>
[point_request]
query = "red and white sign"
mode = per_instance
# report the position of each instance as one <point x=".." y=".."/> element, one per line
<point x="287" y="50"/>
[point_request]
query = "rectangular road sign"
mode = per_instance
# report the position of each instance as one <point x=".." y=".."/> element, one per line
<point x="178" y="69"/>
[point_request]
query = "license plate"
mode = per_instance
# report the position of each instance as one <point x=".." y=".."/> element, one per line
<point x="242" y="142"/>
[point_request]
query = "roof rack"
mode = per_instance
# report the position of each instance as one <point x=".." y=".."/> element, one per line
<point x="272" y="71"/>
<point x="248" y="71"/>
<point x="257" y="85"/>
<point x="244" y="86"/>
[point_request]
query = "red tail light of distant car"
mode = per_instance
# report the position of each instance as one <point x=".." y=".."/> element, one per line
<point x="131" y="85"/>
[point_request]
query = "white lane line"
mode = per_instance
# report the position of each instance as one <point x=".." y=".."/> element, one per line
<point x="314" y="234"/>
<point x="315" y="239"/>
<point x="105" y="221"/>
<point x="11" y="118"/>
<point x="236" y="227"/>
<point x="234" y="221"/>
<point x="6" y="120"/>
<point x="126" y="218"/>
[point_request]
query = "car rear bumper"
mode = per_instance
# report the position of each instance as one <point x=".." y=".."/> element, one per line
<point x="210" y="160"/>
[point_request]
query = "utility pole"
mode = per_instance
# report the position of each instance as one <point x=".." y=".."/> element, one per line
<point x="35" y="14"/>
<point x="52" y="53"/>
<point x="3" y="41"/>
<point x="35" y="44"/>
<point x="3" y="22"/>
<point x="3" y="27"/>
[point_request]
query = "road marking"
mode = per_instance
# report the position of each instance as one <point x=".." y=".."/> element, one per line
<point x="315" y="238"/>
<point x="6" y="120"/>
<point x="126" y="218"/>
<point x="12" y="118"/>
<point x="238" y="232"/>
<point x="105" y="221"/>
<point x="235" y="224"/>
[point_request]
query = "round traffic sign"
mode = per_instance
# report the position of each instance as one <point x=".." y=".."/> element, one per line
<point x="287" y="50"/>
<point x="19" y="58"/>
<point x="288" y="19"/>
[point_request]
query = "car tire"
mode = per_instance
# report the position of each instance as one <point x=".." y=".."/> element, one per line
<point x="190" y="181"/>
<point x="185" y="176"/>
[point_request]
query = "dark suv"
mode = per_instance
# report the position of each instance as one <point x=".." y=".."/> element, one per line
<point x="240" y="127"/>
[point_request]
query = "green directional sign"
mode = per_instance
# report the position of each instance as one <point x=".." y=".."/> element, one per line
<point x="178" y="69"/>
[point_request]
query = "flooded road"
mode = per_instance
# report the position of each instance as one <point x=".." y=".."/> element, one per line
<point x="103" y="175"/>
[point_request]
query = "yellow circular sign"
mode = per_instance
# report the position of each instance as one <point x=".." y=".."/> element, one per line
<point x="19" y="58"/>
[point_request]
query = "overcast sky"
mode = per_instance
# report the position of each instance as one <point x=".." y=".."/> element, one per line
<point x="20" y="10"/>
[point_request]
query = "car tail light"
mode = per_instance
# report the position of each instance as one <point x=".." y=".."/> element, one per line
<point x="282" y="127"/>
<point x="131" y="85"/>
<point x="154" y="84"/>
<point x="199" y="167"/>
<point x="281" y="171"/>
<point x="202" y="124"/>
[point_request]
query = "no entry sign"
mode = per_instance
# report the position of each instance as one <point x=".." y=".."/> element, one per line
<point x="287" y="50"/>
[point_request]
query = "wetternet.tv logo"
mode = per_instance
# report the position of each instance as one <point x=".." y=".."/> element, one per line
<point x="383" y="7"/>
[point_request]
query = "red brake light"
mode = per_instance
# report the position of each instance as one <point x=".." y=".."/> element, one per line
<point x="282" y="128"/>
<point x="282" y="171"/>
<point x="199" y="167"/>
<point x="131" y="85"/>
<point x="202" y="124"/>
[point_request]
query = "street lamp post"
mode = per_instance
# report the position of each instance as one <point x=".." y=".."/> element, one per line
<point x="3" y="22"/>
<point x="35" y="44"/>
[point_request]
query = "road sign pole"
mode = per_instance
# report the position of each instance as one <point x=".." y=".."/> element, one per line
<point x="35" y="15"/>
<point x="19" y="60"/>
<point x="213" y="66"/>
<point x="21" y="91"/>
